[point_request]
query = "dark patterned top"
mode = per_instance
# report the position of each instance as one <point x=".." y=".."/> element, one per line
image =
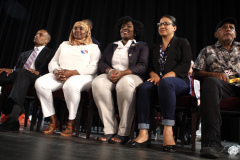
<point x="161" y="60"/>
<point x="216" y="58"/>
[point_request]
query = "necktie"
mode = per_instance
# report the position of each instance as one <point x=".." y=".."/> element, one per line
<point x="31" y="59"/>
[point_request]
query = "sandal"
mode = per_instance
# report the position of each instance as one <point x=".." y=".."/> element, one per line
<point x="51" y="128"/>
<point x="105" y="138"/>
<point x="119" y="139"/>
<point x="68" y="132"/>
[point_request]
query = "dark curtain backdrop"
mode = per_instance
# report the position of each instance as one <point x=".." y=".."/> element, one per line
<point x="21" y="19"/>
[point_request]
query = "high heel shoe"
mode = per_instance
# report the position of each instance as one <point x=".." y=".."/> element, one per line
<point x="169" y="148"/>
<point x="145" y="144"/>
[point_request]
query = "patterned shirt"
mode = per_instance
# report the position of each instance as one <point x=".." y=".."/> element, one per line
<point x="162" y="60"/>
<point x="216" y="58"/>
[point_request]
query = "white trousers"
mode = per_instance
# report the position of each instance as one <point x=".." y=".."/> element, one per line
<point x="102" y="89"/>
<point x="72" y="89"/>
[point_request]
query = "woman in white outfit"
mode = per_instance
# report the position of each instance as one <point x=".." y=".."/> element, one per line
<point x="72" y="68"/>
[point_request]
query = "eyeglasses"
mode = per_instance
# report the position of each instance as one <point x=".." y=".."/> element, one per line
<point x="164" y="23"/>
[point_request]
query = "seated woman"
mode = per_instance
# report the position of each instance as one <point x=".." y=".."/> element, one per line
<point x="72" y="68"/>
<point x="169" y="62"/>
<point x="122" y="66"/>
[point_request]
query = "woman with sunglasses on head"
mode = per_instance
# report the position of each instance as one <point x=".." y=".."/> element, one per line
<point x="169" y="62"/>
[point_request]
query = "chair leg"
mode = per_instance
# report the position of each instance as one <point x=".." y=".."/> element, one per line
<point x="40" y="117"/>
<point x="2" y="100"/>
<point x="63" y="113"/>
<point x="99" y="123"/>
<point x="239" y="131"/>
<point x="27" y="108"/>
<point x="133" y="127"/>
<point x="183" y="128"/>
<point x="175" y="133"/>
<point x="194" y="113"/>
<point x="79" y="113"/>
<point x="34" y="113"/>
<point x="177" y="128"/>
<point x="90" y="117"/>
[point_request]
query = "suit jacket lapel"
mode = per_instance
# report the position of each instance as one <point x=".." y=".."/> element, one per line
<point x="40" y="56"/>
<point x="170" y="50"/>
<point x="27" y="56"/>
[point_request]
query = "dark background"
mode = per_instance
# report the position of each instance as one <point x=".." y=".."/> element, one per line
<point x="21" y="19"/>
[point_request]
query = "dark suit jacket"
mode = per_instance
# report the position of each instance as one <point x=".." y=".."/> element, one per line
<point x="41" y="63"/>
<point x="179" y="57"/>
<point x="137" y="54"/>
<point x="95" y="41"/>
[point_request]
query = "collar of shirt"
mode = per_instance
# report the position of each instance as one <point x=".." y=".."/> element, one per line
<point x="218" y="44"/>
<point x="39" y="49"/>
<point x="120" y="44"/>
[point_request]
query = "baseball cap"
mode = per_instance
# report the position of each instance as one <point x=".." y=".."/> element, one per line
<point x="228" y="19"/>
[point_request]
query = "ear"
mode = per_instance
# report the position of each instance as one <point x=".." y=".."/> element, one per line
<point x="235" y="34"/>
<point x="175" y="28"/>
<point x="215" y="34"/>
<point x="47" y="41"/>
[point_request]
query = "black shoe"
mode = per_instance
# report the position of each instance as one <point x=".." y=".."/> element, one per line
<point x="213" y="149"/>
<point x="145" y="144"/>
<point x="11" y="124"/>
<point x="169" y="148"/>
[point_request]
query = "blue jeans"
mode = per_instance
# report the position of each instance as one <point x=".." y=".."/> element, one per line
<point x="168" y="89"/>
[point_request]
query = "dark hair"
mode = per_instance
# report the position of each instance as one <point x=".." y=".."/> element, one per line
<point x="89" y="21"/>
<point x="173" y="19"/>
<point x="138" y="26"/>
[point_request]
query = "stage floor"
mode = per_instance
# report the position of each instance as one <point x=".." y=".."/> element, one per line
<point x="31" y="145"/>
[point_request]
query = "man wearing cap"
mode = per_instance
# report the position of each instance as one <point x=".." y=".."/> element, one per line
<point x="213" y="66"/>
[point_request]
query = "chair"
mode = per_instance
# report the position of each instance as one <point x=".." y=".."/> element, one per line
<point x="188" y="105"/>
<point x="59" y="96"/>
<point x="6" y="90"/>
<point x="230" y="108"/>
<point x="92" y="108"/>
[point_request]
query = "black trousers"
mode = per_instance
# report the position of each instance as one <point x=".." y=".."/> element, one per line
<point x="21" y="79"/>
<point x="213" y="91"/>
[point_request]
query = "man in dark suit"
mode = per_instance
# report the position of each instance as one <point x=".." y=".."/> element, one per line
<point x="90" y="24"/>
<point x="30" y="65"/>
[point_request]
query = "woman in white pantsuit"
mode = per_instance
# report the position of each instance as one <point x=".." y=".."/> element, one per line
<point x="122" y="65"/>
<point x="72" y="68"/>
